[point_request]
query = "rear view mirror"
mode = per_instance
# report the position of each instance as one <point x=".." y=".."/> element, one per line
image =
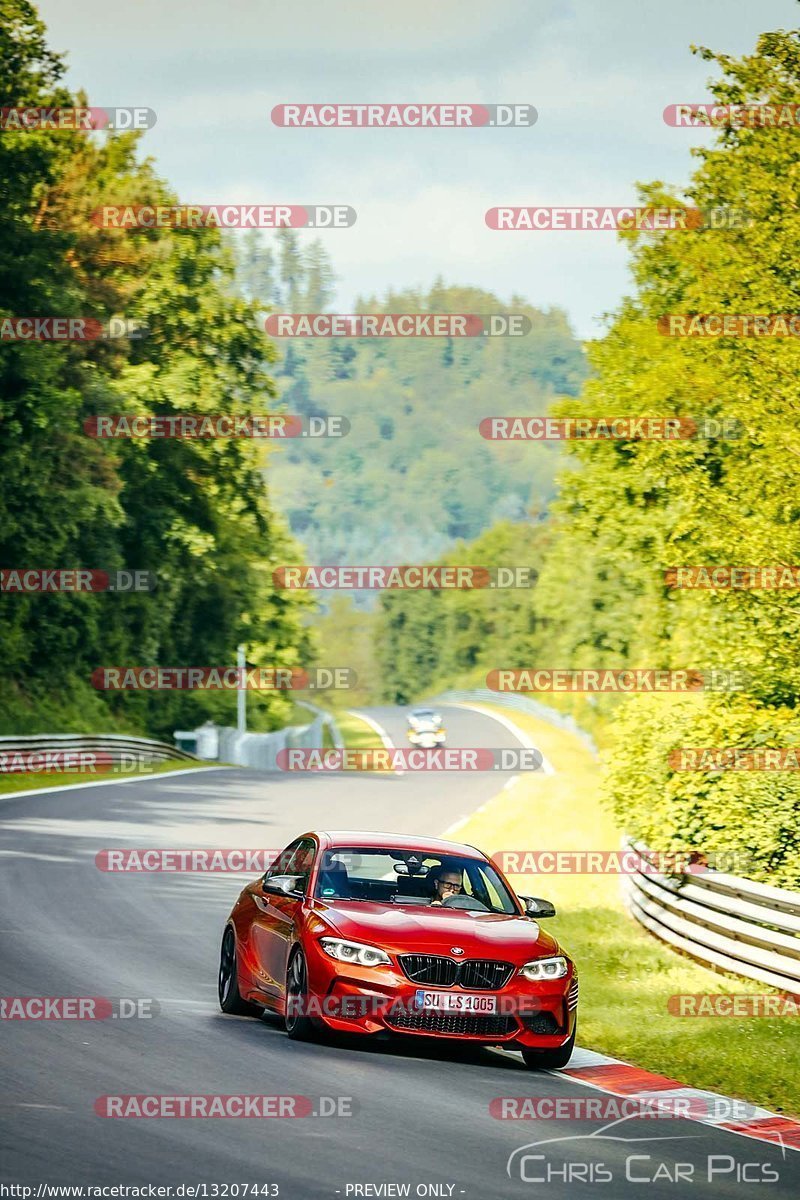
<point x="282" y="885"/>
<point x="536" y="907"/>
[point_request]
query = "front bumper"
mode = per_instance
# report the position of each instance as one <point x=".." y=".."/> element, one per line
<point x="371" y="1000"/>
<point x="425" y="739"/>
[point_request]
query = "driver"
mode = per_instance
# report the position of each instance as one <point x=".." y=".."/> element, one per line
<point x="448" y="883"/>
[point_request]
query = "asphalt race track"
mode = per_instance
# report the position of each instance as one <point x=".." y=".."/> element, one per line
<point x="421" y="1111"/>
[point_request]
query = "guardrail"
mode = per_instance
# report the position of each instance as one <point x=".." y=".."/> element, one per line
<point x="723" y="921"/>
<point x="522" y="704"/>
<point x="117" y="745"/>
<point x="260" y="750"/>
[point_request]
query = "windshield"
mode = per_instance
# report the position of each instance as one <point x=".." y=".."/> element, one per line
<point x="424" y="715"/>
<point x="414" y="878"/>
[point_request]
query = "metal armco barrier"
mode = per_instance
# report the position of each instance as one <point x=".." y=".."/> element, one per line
<point x="118" y="745"/>
<point x="260" y="750"/>
<point x="733" y="924"/>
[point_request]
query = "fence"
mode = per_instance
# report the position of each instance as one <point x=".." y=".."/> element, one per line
<point x="734" y="924"/>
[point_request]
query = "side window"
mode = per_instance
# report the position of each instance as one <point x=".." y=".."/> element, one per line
<point x="283" y="863"/>
<point x="491" y="892"/>
<point x="303" y="862"/>
<point x="296" y="859"/>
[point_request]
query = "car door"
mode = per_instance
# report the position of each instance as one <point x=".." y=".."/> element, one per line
<point x="276" y="916"/>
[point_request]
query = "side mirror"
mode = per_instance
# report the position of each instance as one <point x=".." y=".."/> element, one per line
<point x="536" y="907"/>
<point x="282" y="885"/>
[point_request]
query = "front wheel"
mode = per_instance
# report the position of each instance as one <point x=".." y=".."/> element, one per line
<point x="230" y="1001"/>
<point x="549" y="1060"/>
<point x="299" y="1026"/>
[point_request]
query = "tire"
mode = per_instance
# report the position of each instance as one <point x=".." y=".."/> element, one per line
<point x="230" y="1000"/>
<point x="299" y="1028"/>
<point x="549" y="1060"/>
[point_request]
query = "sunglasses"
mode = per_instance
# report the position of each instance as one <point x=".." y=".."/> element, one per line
<point x="455" y="887"/>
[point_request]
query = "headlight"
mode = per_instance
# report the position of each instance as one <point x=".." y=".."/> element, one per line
<point x="354" y="952"/>
<point x="545" y="968"/>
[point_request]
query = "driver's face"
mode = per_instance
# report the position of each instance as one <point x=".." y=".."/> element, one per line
<point x="448" y="884"/>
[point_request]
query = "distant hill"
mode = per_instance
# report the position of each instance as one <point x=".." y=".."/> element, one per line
<point x="414" y="474"/>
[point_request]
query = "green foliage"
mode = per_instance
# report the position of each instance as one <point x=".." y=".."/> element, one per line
<point x="752" y="815"/>
<point x="413" y="476"/>
<point x="627" y="511"/>
<point x="194" y="513"/>
<point x="634" y="509"/>
<point x="426" y="639"/>
<point x="345" y="637"/>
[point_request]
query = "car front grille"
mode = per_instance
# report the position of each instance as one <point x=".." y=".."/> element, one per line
<point x="482" y="974"/>
<point x="430" y="969"/>
<point x="474" y="974"/>
<point x="447" y="1024"/>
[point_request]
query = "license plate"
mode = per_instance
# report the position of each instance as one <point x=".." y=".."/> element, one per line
<point x="463" y="1002"/>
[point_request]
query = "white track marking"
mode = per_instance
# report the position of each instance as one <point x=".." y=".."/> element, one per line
<point x="70" y="787"/>
<point x="376" y="728"/>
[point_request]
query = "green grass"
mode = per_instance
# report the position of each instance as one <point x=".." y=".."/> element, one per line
<point x="356" y="734"/>
<point x="28" y="782"/>
<point x="626" y="975"/>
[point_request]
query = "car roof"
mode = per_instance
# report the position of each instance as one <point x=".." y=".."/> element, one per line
<point x="397" y="841"/>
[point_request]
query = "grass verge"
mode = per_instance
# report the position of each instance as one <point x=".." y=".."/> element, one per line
<point x="626" y="975"/>
<point x="356" y="734"/>
<point x="10" y="784"/>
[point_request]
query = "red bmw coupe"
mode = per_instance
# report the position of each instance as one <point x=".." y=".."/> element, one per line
<point x="375" y="933"/>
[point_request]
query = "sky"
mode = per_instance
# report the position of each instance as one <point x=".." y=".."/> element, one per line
<point x="599" y="72"/>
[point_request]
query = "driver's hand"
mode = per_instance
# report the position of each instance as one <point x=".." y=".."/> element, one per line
<point x="436" y="902"/>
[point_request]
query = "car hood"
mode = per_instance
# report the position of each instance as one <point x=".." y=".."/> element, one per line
<point x="402" y="930"/>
